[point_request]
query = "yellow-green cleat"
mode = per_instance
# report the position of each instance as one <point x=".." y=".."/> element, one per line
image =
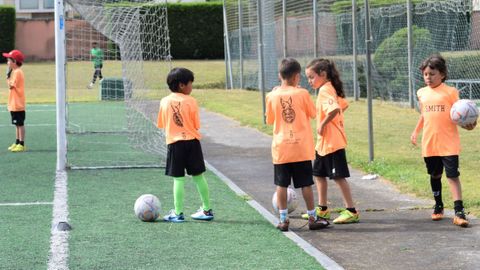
<point x="19" y="148"/>
<point x="321" y="214"/>
<point x="11" y="146"/>
<point x="347" y="217"/>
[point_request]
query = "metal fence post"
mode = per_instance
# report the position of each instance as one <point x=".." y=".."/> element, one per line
<point x="356" y="89"/>
<point x="368" y="42"/>
<point x="284" y="21"/>
<point x="315" y="29"/>
<point x="410" y="53"/>
<point x="240" y="40"/>
<point x="261" y="79"/>
<point x="227" y="45"/>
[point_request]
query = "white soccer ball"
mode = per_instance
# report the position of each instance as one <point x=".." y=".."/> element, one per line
<point x="147" y="207"/>
<point x="464" y="112"/>
<point x="292" y="200"/>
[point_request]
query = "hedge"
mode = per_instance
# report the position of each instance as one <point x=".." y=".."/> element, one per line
<point x="196" y="30"/>
<point x="7" y="29"/>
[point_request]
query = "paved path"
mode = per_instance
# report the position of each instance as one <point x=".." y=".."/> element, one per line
<point x="399" y="236"/>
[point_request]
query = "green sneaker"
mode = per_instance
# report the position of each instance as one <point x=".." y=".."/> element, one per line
<point x="11" y="147"/>
<point x="321" y="214"/>
<point x="347" y="217"/>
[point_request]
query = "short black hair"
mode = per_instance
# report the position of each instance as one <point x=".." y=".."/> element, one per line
<point x="177" y="76"/>
<point x="289" y="67"/>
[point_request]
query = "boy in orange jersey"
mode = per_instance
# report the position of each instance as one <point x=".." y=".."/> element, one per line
<point x="178" y="115"/>
<point x="289" y="109"/>
<point x="16" y="97"/>
<point x="330" y="158"/>
<point x="440" y="138"/>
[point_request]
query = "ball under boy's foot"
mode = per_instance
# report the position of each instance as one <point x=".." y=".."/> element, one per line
<point x="460" y="219"/>
<point x="19" y="148"/>
<point x="173" y="217"/>
<point x="317" y="223"/>
<point x="11" y="146"/>
<point x="283" y="226"/>
<point x="437" y="213"/>
<point x="203" y="215"/>
<point x="90" y="86"/>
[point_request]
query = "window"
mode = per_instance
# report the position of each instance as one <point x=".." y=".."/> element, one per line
<point x="32" y="6"/>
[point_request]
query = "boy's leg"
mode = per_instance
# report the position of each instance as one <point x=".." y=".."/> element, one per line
<point x="436" y="185"/>
<point x="350" y="215"/>
<point x="178" y="194"/>
<point x="308" y="197"/>
<point x="346" y="193"/>
<point x="202" y="188"/>
<point x="460" y="218"/>
<point x="322" y="189"/>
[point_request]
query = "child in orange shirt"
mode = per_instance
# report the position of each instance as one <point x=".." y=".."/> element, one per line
<point x="330" y="160"/>
<point x="16" y="97"/>
<point x="178" y="115"/>
<point x="289" y="109"/>
<point x="440" y="139"/>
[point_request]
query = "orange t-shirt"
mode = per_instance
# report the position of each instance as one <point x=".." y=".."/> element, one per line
<point x="16" y="97"/>
<point x="289" y="110"/>
<point x="440" y="135"/>
<point x="178" y="115"/>
<point x="334" y="137"/>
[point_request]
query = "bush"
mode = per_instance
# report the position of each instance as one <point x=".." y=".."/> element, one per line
<point x="196" y="30"/>
<point x="391" y="60"/>
<point x="7" y="29"/>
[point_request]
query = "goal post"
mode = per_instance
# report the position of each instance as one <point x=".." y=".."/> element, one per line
<point x="115" y="58"/>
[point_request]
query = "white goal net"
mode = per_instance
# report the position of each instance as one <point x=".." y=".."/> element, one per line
<point x="118" y="55"/>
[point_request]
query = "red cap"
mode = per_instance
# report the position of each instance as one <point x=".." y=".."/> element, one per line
<point x="15" y="55"/>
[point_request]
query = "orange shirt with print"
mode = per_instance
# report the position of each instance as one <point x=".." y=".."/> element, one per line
<point x="440" y="135"/>
<point x="16" y="97"/>
<point x="289" y="110"/>
<point x="334" y="137"/>
<point x="178" y="115"/>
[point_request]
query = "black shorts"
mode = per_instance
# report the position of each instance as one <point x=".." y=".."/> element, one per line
<point x="436" y="164"/>
<point x="300" y="172"/>
<point x="185" y="155"/>
<point x="333" y="165"/>
<point x="18" y="118"/>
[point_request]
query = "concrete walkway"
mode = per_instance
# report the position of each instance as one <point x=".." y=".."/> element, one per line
<point x="397" y="235"/>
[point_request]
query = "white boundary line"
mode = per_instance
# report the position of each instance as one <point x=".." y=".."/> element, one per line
<point x="321" y="258"/>
<point x="58" y="255"/>
<point x="26" y="203"/>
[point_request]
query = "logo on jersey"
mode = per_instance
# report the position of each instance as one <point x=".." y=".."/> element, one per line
<point x="288" y="113"/>
<point x="177" y="117"/>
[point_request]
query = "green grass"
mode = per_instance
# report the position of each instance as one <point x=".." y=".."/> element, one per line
<point x="106" y="234"/>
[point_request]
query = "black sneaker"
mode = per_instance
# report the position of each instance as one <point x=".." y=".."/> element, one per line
<point x="317" y="223"/>
<point x="437" y="212"/>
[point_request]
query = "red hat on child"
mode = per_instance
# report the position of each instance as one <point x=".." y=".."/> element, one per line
<point x="15" y="55"/>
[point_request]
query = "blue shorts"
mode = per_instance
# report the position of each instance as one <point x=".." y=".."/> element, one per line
<point x="299" y="172"/>
<point x="436" y="164"/>
<point x="185" y="155"/>
<point x="333" y="165"/>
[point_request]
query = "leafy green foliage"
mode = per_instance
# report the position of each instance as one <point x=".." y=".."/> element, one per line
<point x="7" y="30"/>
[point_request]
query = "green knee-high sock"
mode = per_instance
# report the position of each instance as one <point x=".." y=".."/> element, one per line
<point x="202" y="188"/>
<point x="178" y="194"/>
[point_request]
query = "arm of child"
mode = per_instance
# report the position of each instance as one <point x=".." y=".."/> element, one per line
<point x="327" y="119"/>
<point x="413" y="137"/>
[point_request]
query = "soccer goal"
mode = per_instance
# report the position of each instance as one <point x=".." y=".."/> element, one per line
<point x="116" y="57"/>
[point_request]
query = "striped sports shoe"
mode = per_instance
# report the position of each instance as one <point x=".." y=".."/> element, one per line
<point x="437" y="212"/>
<point x="203" y="215"/>
<point x="173" y="217"/>
<point x="460" y="219"/>
<point x="321" y="214"/>
<point x="347" y="217"/>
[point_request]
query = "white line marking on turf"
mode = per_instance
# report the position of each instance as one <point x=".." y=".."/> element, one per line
<point x="321" y="258"/>
<point x="26" y="203"/>
<point x="58" y="256"/>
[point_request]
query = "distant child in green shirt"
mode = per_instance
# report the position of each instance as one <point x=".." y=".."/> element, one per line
<point x="97" y="58"/>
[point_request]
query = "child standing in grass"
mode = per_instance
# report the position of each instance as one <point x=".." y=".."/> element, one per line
<point x="97" y="58"/>
<point x="330" y="158"/>
<point x="179" y="116"/>
<point x="440" y="138"/>
<point x="289" y="109"/>
<point x="16" y="97"/>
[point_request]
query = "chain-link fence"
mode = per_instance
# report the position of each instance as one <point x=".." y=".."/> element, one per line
<point x="260" y="33"/>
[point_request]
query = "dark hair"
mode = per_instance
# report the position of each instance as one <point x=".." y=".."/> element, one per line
<point x="435" y="61"/>
<point x="94" y="43"/>
<point x="19" y="64"/>
<point x="318" y="65"/>
<point x="177" y="76"/>
<point x="289" y="67"/>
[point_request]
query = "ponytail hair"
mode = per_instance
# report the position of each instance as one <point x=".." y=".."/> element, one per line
<point x="318" y="65"/>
